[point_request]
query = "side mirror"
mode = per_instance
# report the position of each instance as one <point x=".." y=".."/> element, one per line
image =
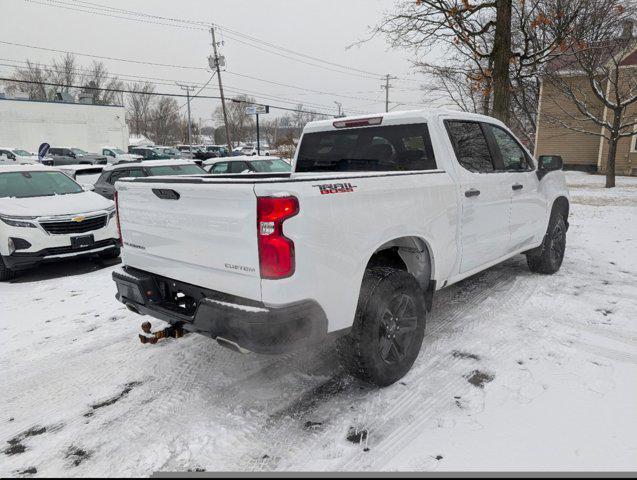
<point x="87" y="187"/>
<point x="548" y="163"/>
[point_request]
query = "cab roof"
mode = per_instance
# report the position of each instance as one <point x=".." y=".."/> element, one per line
<point x="397" y="118"/>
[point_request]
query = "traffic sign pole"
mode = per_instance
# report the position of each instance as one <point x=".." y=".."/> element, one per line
<point x="258" y="137"/>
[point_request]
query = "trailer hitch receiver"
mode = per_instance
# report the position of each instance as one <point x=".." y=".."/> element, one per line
<point x="173" y="331"/>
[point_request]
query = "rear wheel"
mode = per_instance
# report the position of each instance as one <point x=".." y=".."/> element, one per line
<point x="548" y="257"/>
<point x="5" y="273"/>
<point x="388" y="329"/>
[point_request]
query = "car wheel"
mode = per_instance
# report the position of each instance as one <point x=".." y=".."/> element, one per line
<point x="388" y="329"/>
<point x="548" y="257"/>
<point x="5" y="273"/>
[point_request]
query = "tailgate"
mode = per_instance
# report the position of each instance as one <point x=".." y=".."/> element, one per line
<point x="206" y="237"/>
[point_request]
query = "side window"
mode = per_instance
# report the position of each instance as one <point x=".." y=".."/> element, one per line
<point x="470" y="145"/>
<point x="136" y="172"/>
<point x="220" y="168"/>
<point x="116" y="175"/>
<point x="513" y="155"/>
<point x="238" y="167"/>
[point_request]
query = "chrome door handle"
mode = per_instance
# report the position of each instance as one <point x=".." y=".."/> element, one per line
<point x="472" y="193"/>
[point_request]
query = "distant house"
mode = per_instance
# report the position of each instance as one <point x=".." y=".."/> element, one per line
<point x="581" y="151"/>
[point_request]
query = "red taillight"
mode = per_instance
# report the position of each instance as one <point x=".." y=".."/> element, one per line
<point x="358" y="122"/>
<point x="276" y="251"/>
<point x="119" y="227"/>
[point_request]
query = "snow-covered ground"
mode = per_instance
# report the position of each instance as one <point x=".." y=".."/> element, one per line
<point x="518" y="372"/>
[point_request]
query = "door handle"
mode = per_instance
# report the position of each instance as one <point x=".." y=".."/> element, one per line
<point x="517" y="186"/>
<point x="472" y="193"/>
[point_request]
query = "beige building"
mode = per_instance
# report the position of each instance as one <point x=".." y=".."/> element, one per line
<point x="583" y="151"/>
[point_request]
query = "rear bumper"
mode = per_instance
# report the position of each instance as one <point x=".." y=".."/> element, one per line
<point x="24" y="260"/>
<point x="250" y="325"/>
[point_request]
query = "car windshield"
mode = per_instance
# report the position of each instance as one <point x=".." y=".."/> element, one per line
<point x="79" y="151"/>
<point x="275" y="165"/>
<point x="36" y="184"/>
<point x="118" y="151"/>
<point x="175" y="170"/>
<point x="22" y="153"/>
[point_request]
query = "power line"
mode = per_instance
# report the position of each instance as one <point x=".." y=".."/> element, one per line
<point x="159" y="94"/>
<point x="140" y="62"/>
<point x="103" y="57"/>
<point x="233" y="34"/>
<point x="233" y="90"/>
<point x="161" y="81"/>
<point x="221" y="27"/>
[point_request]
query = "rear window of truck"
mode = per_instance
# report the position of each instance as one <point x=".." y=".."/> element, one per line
<point x="370" y="149"/>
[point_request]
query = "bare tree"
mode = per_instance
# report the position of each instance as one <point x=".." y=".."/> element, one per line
<point x="498" y="40"/>
<point x="64" y="72"/>
<point x="598" y="79"/>
<point x="36" y="76"/>
<point x="241" y="124"/>
<point x="165" y="122"/>
<point x="138" y="107"/>
<point x="100" y="84"/>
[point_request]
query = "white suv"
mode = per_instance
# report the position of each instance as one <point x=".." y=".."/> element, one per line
<point x="17" y="156"/>
<point x="45" y="216"/>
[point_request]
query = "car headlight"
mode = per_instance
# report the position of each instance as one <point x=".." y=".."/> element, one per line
<point x="111" y="213"/>
<point x="19" y="221"/>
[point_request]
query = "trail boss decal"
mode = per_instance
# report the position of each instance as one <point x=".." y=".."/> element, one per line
<point x="328" y="188"/>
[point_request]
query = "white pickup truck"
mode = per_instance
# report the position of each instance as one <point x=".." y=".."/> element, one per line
<point x="377" y="214"/>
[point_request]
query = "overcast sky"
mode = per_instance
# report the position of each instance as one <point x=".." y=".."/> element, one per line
<point x="321" y="29"/>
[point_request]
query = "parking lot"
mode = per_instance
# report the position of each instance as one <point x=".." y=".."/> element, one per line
<point x="517" y="370"/>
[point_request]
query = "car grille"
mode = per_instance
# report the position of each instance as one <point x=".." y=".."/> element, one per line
<point x="63" y="228"/>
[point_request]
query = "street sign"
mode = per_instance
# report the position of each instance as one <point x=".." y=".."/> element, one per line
<point x="257" y="109"/>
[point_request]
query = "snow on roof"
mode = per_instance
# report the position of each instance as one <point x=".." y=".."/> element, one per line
<point x="140" y="141"/>
<point x="27" y="168"/>
<point x="151" y="163"/>
<point x="242" y="158"/>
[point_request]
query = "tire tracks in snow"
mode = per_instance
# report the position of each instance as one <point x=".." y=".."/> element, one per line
<point x="468" y="305"/>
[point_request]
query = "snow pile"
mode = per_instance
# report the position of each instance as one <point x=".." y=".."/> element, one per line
<point x="518" y="372"/>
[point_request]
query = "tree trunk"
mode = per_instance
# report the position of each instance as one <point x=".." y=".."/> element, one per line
<point x="610" y="162"/>
<point x="501" y="60"/>
<point x="612" y="149"/>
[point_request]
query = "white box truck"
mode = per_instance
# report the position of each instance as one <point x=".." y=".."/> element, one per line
<point x="26" y="124"/>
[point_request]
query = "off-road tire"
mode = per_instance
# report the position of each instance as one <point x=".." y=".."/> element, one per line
<point x="5" y="273"/>
<point x="110" y="254"/>
<point x="548" y="257"/>
<point x="378" y="315"/>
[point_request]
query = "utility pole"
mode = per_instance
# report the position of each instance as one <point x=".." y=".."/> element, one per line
<point x="187" y="88"/>
<point x="386" y="87"/>
<point x="215" y="64"/>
